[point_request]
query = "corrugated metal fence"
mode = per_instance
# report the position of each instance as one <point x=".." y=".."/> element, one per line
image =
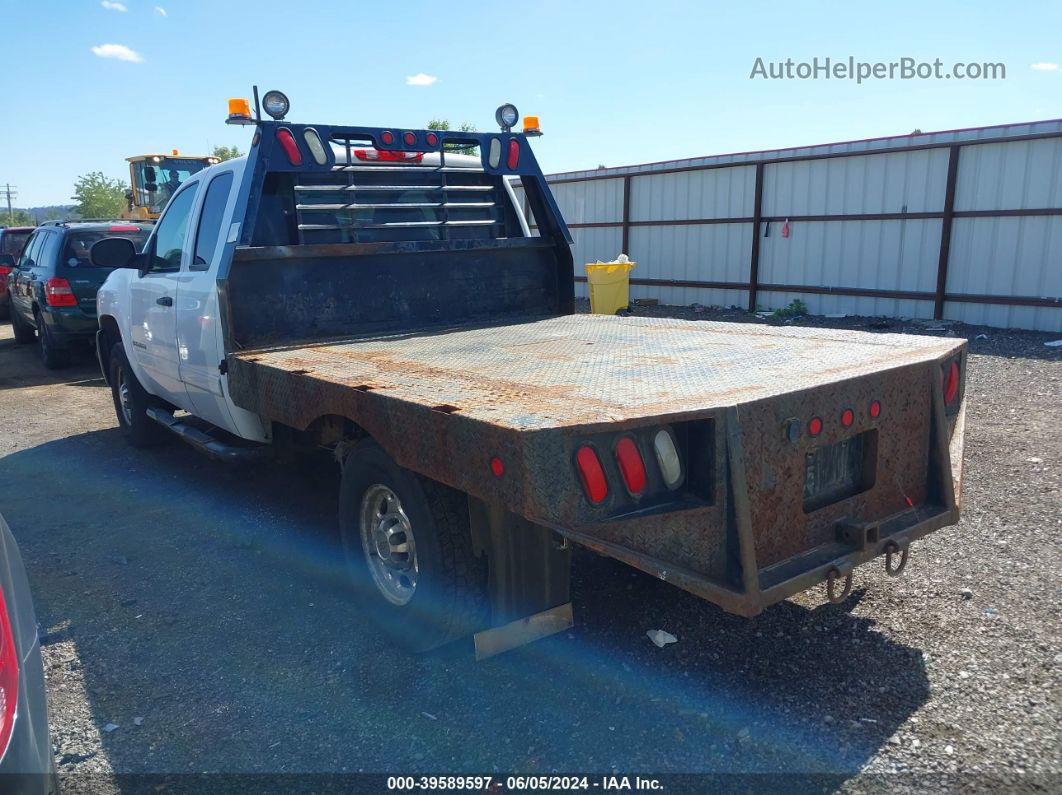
<point x="964" y="225"/>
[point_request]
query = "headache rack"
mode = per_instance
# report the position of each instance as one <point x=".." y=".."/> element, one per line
<point x="423" y="199"/>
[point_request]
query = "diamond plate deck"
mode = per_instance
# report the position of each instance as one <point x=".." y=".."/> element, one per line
<point x="582" y="369"/>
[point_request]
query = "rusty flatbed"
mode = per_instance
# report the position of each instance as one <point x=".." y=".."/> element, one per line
<point x="445" y="402"/>
<point x="584" y="369"/>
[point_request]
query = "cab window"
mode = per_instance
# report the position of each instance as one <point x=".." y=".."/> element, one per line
<point x="30" y="251"/>
<point x="210" y="218"/>
<point x="171" y="232"/>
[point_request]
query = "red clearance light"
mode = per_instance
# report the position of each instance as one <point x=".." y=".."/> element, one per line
<point x="119" y="229"/>
<point x="8" y="677"/>
<point x="514" y="154"/>
<point x="387" y="137"/>
<point x="847" y="418"/>
<point x="57" y="292"/>
<point x="432" y="139"/>
<point x="409" y="138"/>
<point x="875" y="409"/>
<point x="393" y="157"/>
<point x="497" y="466"/>
<point x="814" y="426"/>
<point x="291" y="148"/>
<point x="592" y="475"/>
<point x="951" y="383"/>
<point x="631" y="465"/>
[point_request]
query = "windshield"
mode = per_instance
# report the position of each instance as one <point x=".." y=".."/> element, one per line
<point x="156" y="180"/>
<point x="78" y="244"/>
<point x="12" y="242"/>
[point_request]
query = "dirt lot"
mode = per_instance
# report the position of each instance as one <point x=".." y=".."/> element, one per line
<point x="202" y="612"/>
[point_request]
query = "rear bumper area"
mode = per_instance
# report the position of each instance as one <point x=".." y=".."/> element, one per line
<point x="70" y="326"/>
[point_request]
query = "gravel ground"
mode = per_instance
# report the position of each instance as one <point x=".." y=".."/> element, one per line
<point x="202" y="611"/>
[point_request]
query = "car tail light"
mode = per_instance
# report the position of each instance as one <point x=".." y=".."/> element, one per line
<point x="118" y="230"/>
<point x="4" y="271"/>
<point x="593" y="476"/>
<point x="8" y="677"/>
<point x="631" y="466"/>
<point x="951" y="383"/>
<point x="514" y="154"/>
<point x="393" y="157"/>
<point x="57" y="292"/>
<point x="290" y="147"/>
<point x="668" y="458"/>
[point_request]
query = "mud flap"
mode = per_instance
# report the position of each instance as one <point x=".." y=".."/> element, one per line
<point x="528" y="581"/>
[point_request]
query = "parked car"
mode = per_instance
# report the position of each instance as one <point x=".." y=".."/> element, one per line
<point x="12" y="239"/>
<point x="27" y="764"/>
<point x="390" y="303"/>
<point x="53" y="285"/>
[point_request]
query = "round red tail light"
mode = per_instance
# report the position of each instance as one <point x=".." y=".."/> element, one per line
<point x="814" y="426"/>
<point x="847" y="418"/>
<point x="432" y="139"/>
<point x="951" y="383"/>
<point x="593" y="476"/>
<point x="387" y="137"/>
<point x="409" y="138"/>
<point x="631" y="465"/>
<point x="875" y="408"/>
<point x="497" y="466"/>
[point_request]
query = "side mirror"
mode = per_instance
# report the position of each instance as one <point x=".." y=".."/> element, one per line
<point x="7" y="261"/>
<point x="113" y="252"/>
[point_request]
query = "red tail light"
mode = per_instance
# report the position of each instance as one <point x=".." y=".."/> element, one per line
<point x="387" y="137"/>
<point x="875" y="408"/>
<point x="409" y="138"/>
<point x="814" y="426"/>
<point x="4" y="271"/>
<point x="592" y="475"/>
<point x="8" y="677"/>
<point x="514" y="154"/>
<point x="291" y="148"/>
<point x="631" y="465"/>
<point x="847" y="417"/>
<point x="394" y="157"/>
<point x="114" y="230"/>
<point x="432" y="139"/>
<point x="57" y="292"/>
<point x="951" y="383"/>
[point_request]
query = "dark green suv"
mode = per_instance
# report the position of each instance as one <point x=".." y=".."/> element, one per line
<point x="53" y="286"/>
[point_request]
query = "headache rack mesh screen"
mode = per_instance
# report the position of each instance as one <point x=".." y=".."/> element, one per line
<point x="373" y="201"/>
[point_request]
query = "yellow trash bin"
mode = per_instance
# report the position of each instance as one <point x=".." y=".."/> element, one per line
<point x="609" y="286"/>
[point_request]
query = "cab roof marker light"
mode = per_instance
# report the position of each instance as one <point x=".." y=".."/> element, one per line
<point x="313" y="143"/>
<point x="668" y="458"/>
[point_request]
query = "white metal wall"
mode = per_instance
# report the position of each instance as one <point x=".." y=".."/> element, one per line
<point x="696" y="226"/>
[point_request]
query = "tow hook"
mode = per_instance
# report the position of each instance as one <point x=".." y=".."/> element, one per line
<point x="891" y="548"/>
<point x="831" y="585"/>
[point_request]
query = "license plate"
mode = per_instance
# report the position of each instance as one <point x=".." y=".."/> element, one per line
<point x="838" y="471"/>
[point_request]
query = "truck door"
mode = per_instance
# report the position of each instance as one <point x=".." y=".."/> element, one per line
<point x="153" y="294"/>
<point x="199" y="339"/>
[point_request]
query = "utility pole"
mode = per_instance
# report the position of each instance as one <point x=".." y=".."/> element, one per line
<point x="11" y="193"/>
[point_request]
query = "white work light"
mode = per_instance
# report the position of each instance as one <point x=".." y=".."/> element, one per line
<point x="507" y="116"/>
<point x="275" y="104"/>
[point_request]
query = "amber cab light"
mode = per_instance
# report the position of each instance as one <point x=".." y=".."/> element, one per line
<point x="631" y="465"/>
<point x="593" y="476"/>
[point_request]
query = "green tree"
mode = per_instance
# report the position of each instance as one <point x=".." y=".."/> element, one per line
<point x="20" y="218"/>
<point x="444" y="124"/>
<point x="98" y="196"/>
<point x="227" y="152"/>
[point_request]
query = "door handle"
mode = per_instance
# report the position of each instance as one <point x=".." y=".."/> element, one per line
<point x="164" y="301"/>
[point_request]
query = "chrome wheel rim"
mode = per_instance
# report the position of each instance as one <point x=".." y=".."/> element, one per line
<point x="124" y="398"/>
<point x="388" y="543"/>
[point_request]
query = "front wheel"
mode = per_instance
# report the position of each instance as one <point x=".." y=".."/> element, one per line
<point x="131" y="403"/>
<point x="408" y="549"/>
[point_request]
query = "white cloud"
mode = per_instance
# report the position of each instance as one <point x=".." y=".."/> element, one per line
<point x="1044" y="66"/>
<point x="161" y="11"/>
<point x="113" y="6"/>
<point x="421" y="79"/>
<point x="118" y="52"/>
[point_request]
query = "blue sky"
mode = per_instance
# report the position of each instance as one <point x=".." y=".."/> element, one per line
<point x="614" y="83"/>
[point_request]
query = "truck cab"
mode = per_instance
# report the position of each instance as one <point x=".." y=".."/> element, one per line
<point x="154" y="179"/>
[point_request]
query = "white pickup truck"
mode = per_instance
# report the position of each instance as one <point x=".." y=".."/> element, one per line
<point x="371" y="291"/>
